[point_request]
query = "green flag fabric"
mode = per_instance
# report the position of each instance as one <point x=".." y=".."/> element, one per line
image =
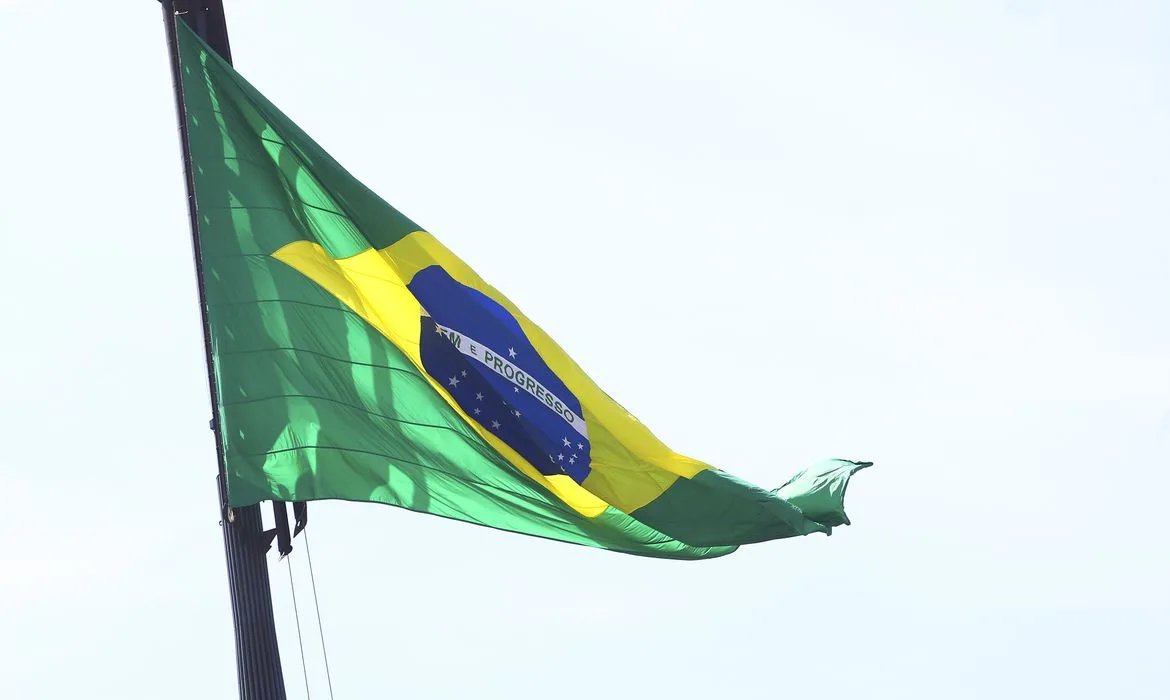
<point x="357" y="358"/>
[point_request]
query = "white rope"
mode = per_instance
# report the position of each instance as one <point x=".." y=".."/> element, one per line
<point x="293" y="588"/>
<point x="320" y="627"/>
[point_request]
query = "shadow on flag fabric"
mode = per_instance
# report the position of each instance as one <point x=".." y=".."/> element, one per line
<point x="358" y="358"/>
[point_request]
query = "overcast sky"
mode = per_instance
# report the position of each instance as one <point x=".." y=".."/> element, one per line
<point x="928" y="234"/>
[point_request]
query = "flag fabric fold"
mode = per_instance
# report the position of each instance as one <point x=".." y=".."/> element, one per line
<point x="356" y="357"/>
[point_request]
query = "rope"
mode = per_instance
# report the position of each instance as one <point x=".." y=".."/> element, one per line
<point x="293" y="588"/>
<point x="320" y="627"/>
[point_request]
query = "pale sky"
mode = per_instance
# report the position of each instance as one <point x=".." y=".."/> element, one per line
<point x="932" y="235"/>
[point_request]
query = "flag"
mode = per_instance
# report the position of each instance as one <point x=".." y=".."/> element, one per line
<point x="355" y="357"/>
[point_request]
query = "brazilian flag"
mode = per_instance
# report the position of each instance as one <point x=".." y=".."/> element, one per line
<point x="358" y="358"/>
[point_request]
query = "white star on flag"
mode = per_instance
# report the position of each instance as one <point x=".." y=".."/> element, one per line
<point x="580" y="446"/>
<point x="566" y="441"/>
<point x="560" y="458"/>
<point x="464" y="373"/>
<point x="512" y="353"/>
<point x="496" y="424"/>
<point x="477" y="411"/>
<point x="573" y="460"/>
<point x="453" y="381"/>
<point x="517" y="413"/>
<point x="478" y="396"/>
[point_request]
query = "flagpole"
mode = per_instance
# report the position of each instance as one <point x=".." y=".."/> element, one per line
<point x="245" y="545"/>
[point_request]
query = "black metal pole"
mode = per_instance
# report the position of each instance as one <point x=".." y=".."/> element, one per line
<point x="257" y="650"/>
